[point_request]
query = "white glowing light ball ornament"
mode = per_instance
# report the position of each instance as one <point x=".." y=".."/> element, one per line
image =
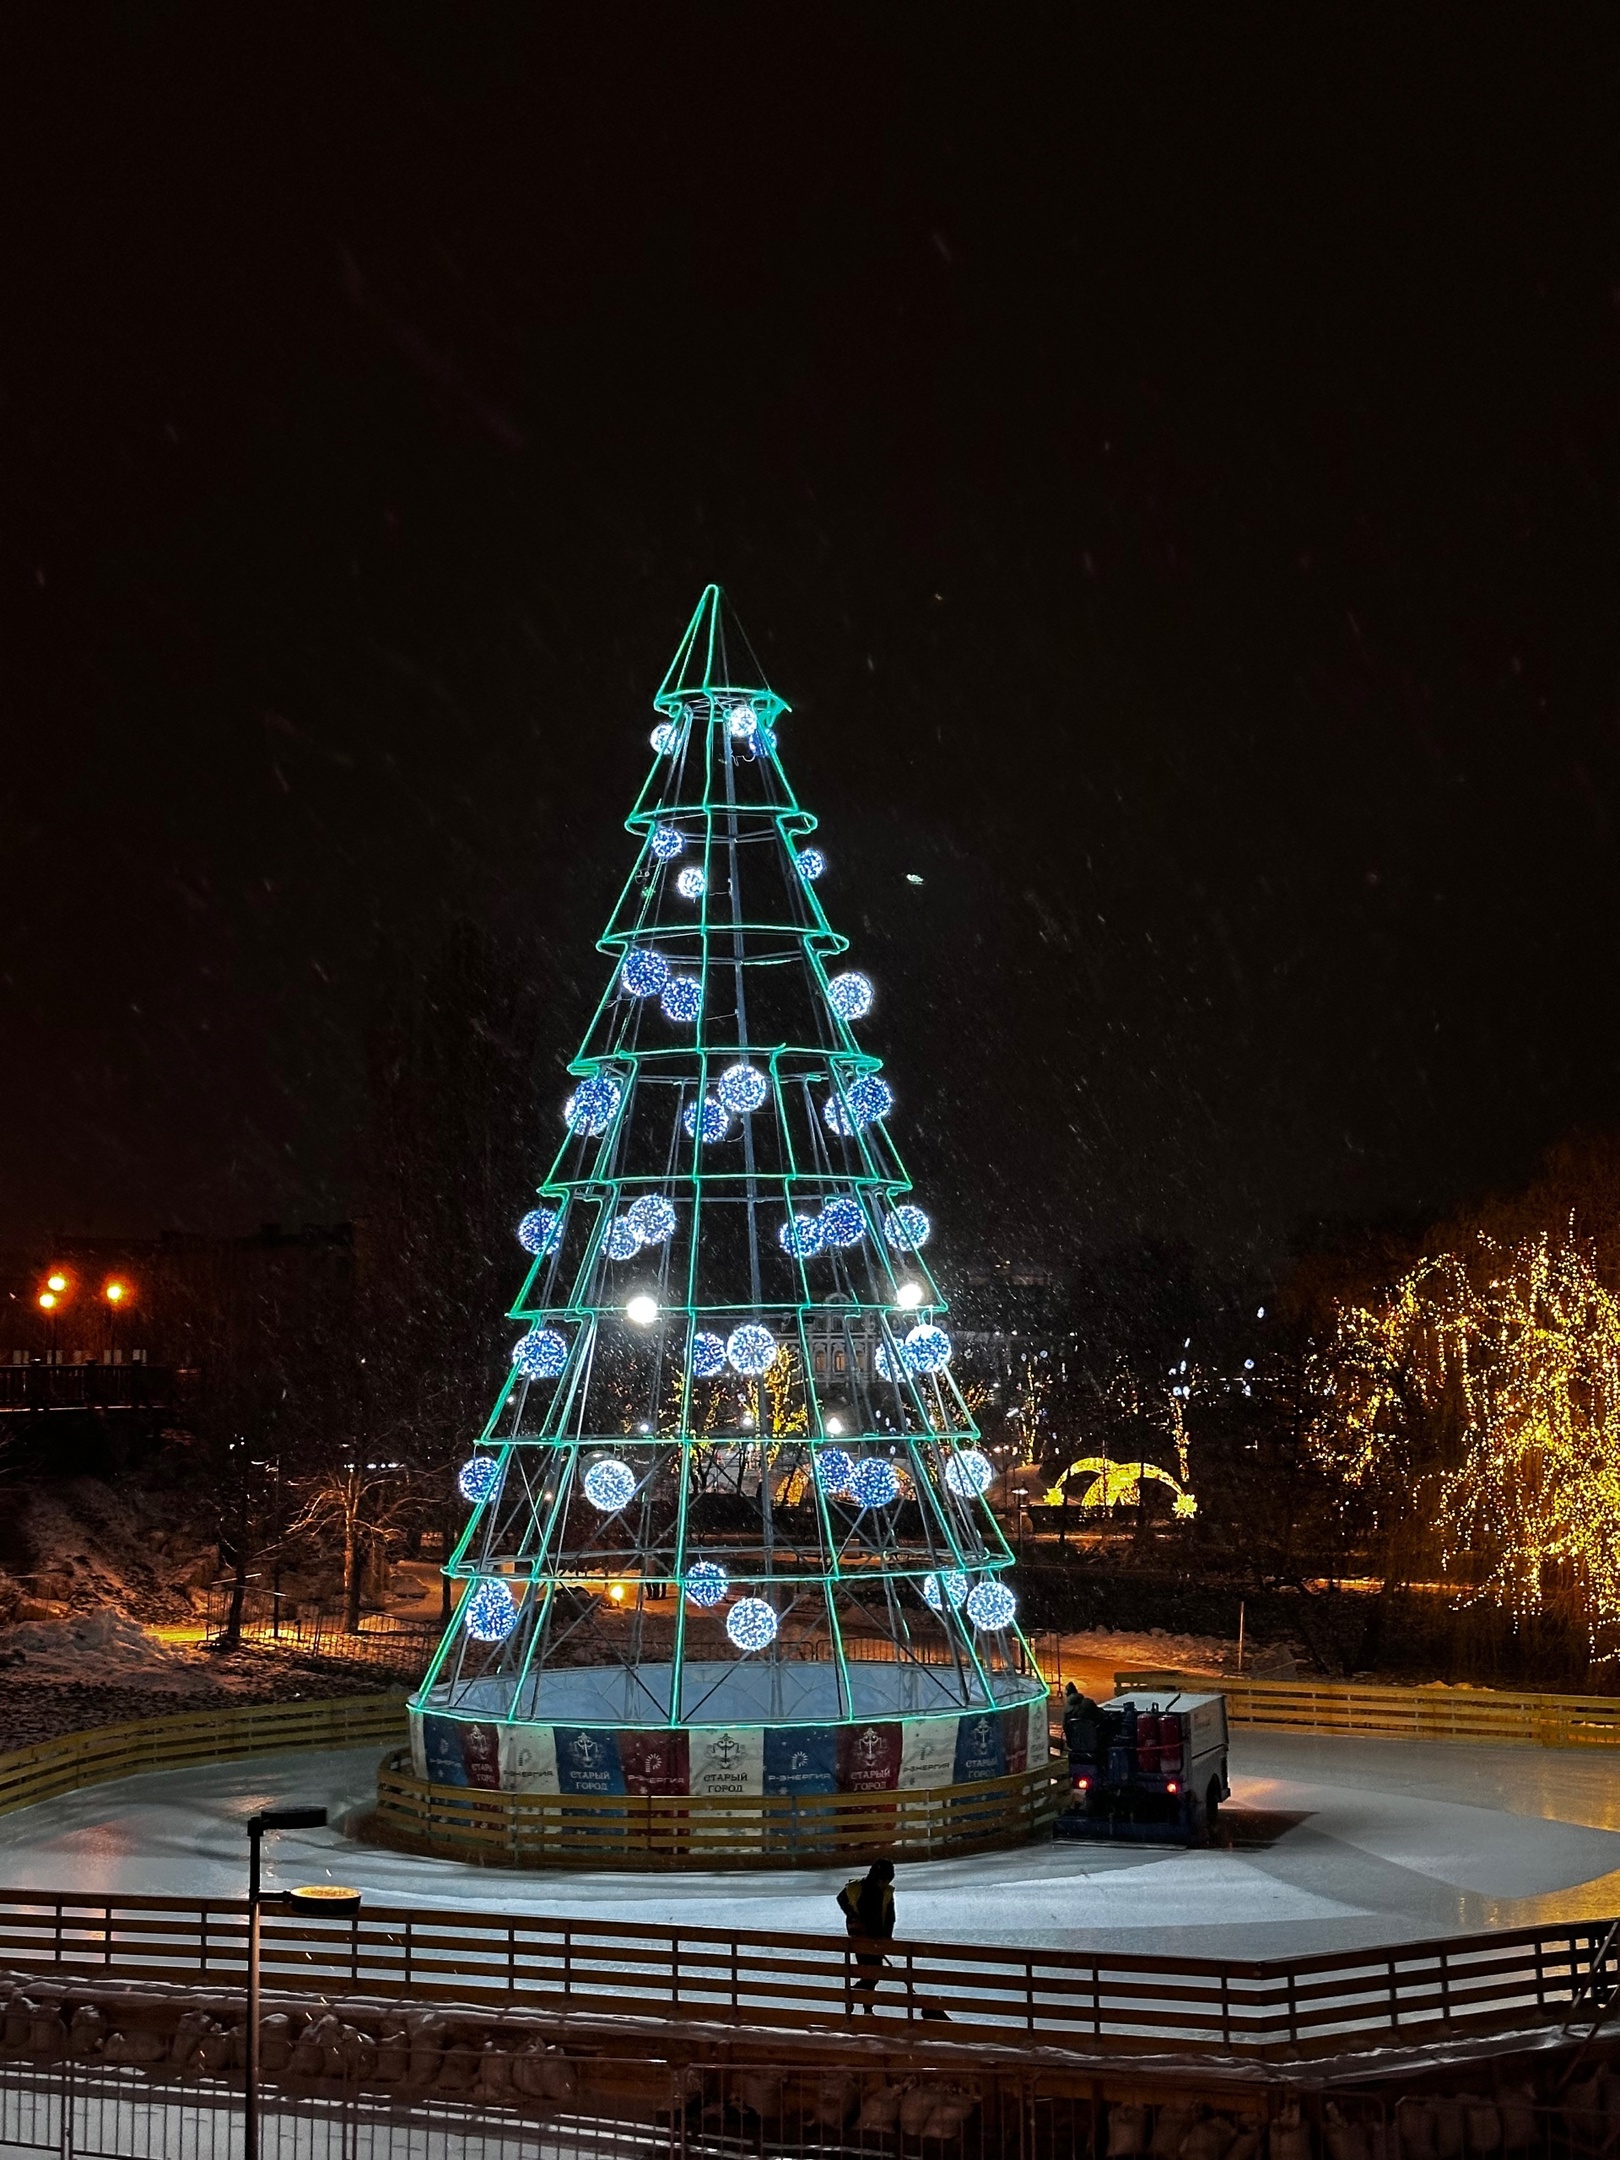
<point x="644" y="974"/>
<point x="873" y="1482"/>
<point x="850" y="995"/>
<point x="642" y="1310"/>
<point x="750" y="1348"/>
<point x="969" y="1473"/>
<point x="539" y="1230"/>
<point x="742" y="1088"/>
<point x="706" y="1583"/>
<point x="690" y="883"/>
<point x="478" y="1478"/>
<point x="593" y="1105"/>
<point x="610" y="1486"/>
<point x="489" y="1613"/>
<point x="991" y="1605"/>
<point x="742" y="722"/>
<point x="542" y="1354"/>
<point x="653" y="1217"/>
<point x="952" y="1585"/>
<point x="707" y="1120"/>
<point x="682" y="998"/>
<point x="906" y="1228"/>
<point x="666" y="843"/>
<point x="752" y="1624"/>
<point x="708" y="1357"/>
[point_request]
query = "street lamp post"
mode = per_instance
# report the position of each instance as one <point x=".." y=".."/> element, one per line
<point x="327" y="1896"/>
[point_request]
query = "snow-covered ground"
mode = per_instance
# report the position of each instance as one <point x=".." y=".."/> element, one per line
<point x="1336" y="1842"/>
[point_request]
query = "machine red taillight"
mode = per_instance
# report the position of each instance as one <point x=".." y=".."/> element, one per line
<point x="1172" y="1786"/>
<point x="1082" y="1784"/>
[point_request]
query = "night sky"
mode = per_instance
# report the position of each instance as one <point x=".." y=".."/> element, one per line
<point x="1165" y="457"/>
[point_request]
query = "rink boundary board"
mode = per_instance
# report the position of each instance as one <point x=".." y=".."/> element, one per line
<point x="1517" y="1979"/>
<point x="673" y="1831"/>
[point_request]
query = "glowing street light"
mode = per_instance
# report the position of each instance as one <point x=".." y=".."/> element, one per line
<point x="47" y="1300"/>
<point x="57" y="1282"/>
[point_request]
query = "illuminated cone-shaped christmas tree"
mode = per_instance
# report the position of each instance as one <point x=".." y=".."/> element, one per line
<point x="728" y="1532"/>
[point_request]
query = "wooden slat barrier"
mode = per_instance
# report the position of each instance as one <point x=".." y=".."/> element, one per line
<point x="515" y="1829"/>
<point x="1404" y="1713"/>
<point x="1406" y="1992"/>
<point x="52" y="1767"/>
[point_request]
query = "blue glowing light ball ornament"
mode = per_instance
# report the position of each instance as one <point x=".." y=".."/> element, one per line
<point x="850" y="995"/>
<point x="927" y="1348"/>
<point x="991" y="1605"/>
<point x="873" y="1482"/>
<point x="906" y="1228"/>
<point x="937" y="1588"/>
<point x="610" y="1486"/>
<point x="833" y="1466"/>
<point x="969" y="1473"/>
<point x="706" y="1583"/>
<point x="752" y="1624"/>
<point x="489" y="1613"/>
<point x="690" y="883"/>
<point x="666" y="843"/>
<point x="742" y="1088"/>
<point x="811" y="864"/>
<point x="766" y="739"/>
<point x="882" y="1364"/>
<point x="539" y="1230"/>
<point x="623" y="1240"/>
<point x="644" y="974"/>
<point x="708" y="1357"/>
<point x="682" y="998"/>
<point x="593" y="1105"/>
<point x="742" y="723"/>
<point x="842" y="1222"/>
<point x="800" y="1235"/>
<point x="542" y="1354"/>
<point x="750" y="1348"/>
<point x="870" y="1099"/>
<point x="478" y="1478"/>
<point x="707" y="1120"/>
<point x="863" y="1104"/>
<point x="654" y="1218"/>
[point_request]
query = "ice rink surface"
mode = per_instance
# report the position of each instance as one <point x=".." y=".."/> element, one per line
<point x="1329" y="1843"/>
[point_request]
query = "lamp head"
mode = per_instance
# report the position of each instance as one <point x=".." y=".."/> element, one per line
<point x="287" y="1818"/>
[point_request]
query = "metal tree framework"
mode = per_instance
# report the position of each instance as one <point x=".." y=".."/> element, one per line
<point x="728" y="1519"/>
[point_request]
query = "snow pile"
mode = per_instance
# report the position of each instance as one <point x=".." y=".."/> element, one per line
<point x="96" y="1647"/>
<point x="1122" y="1649"/>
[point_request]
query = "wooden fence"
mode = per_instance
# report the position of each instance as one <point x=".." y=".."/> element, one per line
<point x="1408" y="1992"/>
<point x="65" y="1764"/>
<point x="1402" y="1713"/>
<point x="630" y="1830"/>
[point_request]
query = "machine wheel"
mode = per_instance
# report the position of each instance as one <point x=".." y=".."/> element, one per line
<point x="1212" y="1803"/>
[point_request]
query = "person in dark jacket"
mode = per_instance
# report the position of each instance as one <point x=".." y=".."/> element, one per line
<point x="867" y="1904"/>
<point x="1082" y="1725"/>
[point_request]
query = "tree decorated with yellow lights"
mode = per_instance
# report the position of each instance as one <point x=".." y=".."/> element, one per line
<point x="1481" y="1394"/>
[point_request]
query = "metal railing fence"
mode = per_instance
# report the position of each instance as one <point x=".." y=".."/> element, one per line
<point x="1397" y="1993"/>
